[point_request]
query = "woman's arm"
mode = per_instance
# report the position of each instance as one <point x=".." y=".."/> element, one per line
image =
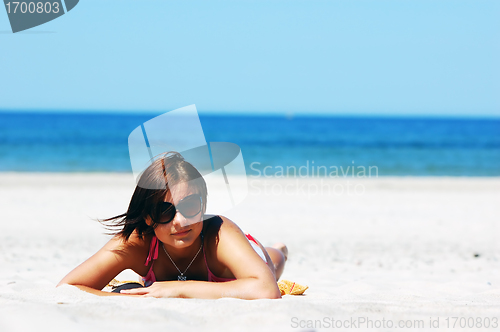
<point x="97" y="271"/>
<point x="247" y="289"/>
<point x="99" y="292"/>
<point x="254" y="279"/>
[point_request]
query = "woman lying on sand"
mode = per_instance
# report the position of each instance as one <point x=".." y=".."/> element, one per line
<point x="166" y="238"/>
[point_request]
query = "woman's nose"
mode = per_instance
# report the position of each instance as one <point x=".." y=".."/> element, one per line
<point x="180" y="220"/>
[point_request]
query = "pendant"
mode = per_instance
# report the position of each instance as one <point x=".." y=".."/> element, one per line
<point x="181" y="278"/>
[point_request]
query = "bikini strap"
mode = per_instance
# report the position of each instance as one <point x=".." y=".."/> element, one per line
<point x="153" y="250"/>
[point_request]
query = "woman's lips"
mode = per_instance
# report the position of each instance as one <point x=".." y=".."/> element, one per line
<point x="181" y="233"/>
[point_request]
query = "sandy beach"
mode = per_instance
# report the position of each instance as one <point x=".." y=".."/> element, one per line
<point x="390" y="249"/>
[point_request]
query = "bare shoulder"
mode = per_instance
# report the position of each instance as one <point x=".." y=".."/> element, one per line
<point x="235" y="253"/>
<point x="228" y="224"/>
<point x="229" y="229"/>
<point x="221" y="231"/>
<point x="135" y="249"/>
<point x="119" y="243"/>
<point x="230" y="236"/>
<point x="232" y="230"/>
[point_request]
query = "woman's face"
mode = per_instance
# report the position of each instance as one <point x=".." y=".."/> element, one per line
<point x="181" y="232"/>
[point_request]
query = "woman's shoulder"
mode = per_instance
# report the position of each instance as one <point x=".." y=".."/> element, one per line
<point x="135" y="246"/>
<point x="223" y="241"/>
<point x="218" y="220"/>
<point x="220" y="227"/>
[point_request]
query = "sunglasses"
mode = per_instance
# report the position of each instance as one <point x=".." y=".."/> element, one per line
<point x="189" y="207"/>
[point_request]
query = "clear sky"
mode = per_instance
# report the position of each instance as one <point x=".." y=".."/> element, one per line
<point x="327" y="57"/>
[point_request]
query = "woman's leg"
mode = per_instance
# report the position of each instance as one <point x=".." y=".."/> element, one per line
<point x="278" y="254"/>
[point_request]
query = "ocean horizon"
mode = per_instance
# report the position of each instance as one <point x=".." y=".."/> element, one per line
<point x="333" y="146"/>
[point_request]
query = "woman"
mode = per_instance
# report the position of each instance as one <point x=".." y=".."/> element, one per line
<point x="166" y="238"/>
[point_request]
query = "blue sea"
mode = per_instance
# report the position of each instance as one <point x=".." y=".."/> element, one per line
<point x="97" y="142"/>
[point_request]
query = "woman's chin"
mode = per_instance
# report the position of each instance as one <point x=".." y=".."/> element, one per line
<point x="184" y="240"/>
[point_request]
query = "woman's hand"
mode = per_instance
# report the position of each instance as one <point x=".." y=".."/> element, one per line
<point x="157" y="289"/>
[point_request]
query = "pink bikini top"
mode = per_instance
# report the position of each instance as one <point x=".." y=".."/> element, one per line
<point x="153" y="255"/>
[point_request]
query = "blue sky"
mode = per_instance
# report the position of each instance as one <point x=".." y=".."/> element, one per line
<point x="324" y="57"/>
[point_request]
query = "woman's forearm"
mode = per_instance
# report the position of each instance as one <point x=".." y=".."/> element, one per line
<point x="99" y="292"/>
<point x="248" y="289"/>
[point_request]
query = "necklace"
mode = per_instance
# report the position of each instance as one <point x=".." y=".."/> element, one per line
<point x="182" y="277"/>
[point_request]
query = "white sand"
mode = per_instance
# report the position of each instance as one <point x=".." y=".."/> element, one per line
<point x="399" y="249"/>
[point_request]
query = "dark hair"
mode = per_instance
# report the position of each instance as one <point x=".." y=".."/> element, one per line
<point x="153" y="186"/>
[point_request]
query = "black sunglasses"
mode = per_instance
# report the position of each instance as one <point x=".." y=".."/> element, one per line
<point x="189" y="207"/>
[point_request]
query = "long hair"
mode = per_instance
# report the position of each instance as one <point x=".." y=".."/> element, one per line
<point x="164" y="173"/>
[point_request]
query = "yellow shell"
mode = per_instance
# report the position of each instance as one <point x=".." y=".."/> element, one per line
<point x="291" y="288"/>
